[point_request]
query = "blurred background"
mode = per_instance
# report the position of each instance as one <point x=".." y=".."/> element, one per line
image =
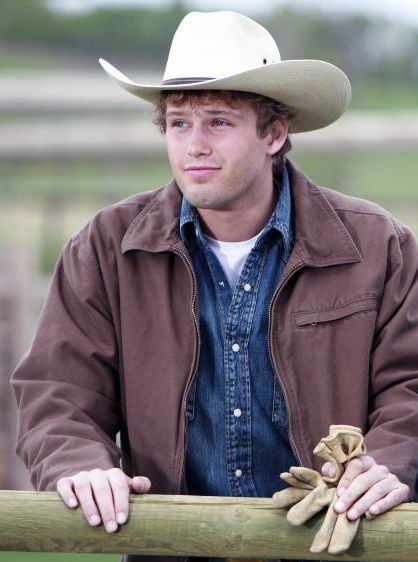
<point x="72" y="142"/>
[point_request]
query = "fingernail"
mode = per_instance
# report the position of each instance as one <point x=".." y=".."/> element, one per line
<point x="144" y="480"/>
<point x="95" y="520"/>
<point x="121" y="518"/>
<point x="374" y="510"/>
<point x="352" y="514"/>
<point x="72" y="502"/>
<point x="331" y="471"/>
<point x="339" y="506"/>
<point x="111" y="526"/>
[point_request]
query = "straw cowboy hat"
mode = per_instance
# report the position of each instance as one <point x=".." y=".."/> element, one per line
<point x="229" y="51"/>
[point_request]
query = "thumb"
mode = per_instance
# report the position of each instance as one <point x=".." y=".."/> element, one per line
<point x="139" y="484"/>
<point x="328" y="469"/>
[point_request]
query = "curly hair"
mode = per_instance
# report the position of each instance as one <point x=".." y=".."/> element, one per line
<point x="267" y="111"/>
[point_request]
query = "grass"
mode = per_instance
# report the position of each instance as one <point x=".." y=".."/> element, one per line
<point x="98" y="179"/>
<point x="386" y="177"/>
<point x="45" y="202"/>
<point x="378" y="95"/>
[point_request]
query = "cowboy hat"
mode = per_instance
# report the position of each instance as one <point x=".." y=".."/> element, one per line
<point x="228" y="51"/>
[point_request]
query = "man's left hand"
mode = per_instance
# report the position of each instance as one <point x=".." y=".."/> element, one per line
<point x="367" y="486"/>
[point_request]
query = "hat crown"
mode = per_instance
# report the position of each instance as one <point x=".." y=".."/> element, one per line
<point x="218" y="44"/>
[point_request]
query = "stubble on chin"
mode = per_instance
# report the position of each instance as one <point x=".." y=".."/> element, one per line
<point x="206" y="196"/>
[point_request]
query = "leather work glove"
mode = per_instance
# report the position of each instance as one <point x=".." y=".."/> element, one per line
<point x="310" y="492"/>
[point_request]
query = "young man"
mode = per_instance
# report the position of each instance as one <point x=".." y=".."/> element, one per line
<point x="223" y="322"/>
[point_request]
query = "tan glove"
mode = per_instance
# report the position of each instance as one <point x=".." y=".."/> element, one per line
<point x="311" y="492"/>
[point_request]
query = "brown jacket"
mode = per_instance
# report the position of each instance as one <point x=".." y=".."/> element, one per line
<point x="117" y="343"/>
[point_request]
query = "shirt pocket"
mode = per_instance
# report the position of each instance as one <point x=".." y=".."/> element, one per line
<point x="306" y="319"/>
<point x="279" y="411"/>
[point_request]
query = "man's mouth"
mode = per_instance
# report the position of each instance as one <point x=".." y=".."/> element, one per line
<point x="201" y="171"/>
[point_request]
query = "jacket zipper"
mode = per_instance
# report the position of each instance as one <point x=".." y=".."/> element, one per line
<point x="293" y="270"/>
<point x="189" y="266"/>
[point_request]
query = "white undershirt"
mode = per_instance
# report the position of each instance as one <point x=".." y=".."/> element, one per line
<point x="232" y="256"/>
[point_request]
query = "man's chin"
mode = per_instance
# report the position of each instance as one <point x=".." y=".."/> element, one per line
<point x="200" y="202"/>
<point x="199" y="194"/>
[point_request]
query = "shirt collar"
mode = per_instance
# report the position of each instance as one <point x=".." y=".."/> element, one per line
<point x="280" y="220"/>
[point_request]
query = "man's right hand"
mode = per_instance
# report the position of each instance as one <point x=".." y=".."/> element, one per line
<point x="102" y="494"/>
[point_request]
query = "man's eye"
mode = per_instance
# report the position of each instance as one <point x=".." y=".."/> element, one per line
<point x="179" y="124"/>
<point x="220" y="123"/>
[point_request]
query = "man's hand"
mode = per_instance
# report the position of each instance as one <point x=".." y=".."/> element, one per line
<point x="366" y="486"/>
<point x="102" y="494"/>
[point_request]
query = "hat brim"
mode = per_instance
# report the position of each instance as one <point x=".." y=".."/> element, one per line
<point x="318" y="92"/>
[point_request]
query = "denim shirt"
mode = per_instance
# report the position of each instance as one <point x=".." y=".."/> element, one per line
<point x="237" y="430"/>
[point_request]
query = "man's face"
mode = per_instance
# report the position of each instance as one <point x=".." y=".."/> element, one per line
<point x="217" y="157"/>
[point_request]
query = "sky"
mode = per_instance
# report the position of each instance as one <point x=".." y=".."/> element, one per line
<point x="403" y="10"/>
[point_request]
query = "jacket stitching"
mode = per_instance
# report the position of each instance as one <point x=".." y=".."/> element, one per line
<point x="314" y="322"/>
<point x="326" y="308"/>
<point x="146" y="209"/>
<point x="143" y="213"/>
<point x="402" y="235"/>
<point x="363" y="212"/>
<point x="335" y="218"/>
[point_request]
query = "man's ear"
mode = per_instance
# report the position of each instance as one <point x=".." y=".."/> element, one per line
<point x="277" y="135"/>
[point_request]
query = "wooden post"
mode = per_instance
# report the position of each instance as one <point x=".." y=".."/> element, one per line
<point x="13" y="266"/>
<point x="195" y="526"/>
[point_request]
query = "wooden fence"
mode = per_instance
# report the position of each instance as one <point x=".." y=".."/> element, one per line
<point x="22" y="291"/>
<point x="67" y="115"/>
<point x="195" y="526"/>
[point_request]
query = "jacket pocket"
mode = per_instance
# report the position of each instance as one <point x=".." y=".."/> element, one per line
<point x="313" y="317"/>
<point x="279" y="411"/>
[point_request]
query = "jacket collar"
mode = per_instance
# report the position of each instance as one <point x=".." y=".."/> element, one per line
<point x="156" y="227"/>
<point x="321" y="238"/>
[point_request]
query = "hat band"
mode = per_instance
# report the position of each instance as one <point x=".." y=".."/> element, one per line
<point x="190" y="80"/>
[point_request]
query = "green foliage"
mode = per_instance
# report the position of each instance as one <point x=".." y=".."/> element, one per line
<point x="363" y="47"/>
<point x="26" y="20"/>
<point x="142" y="32"/>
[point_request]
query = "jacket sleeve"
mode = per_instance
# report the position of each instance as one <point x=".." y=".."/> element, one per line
<point x="392" y="438"/>
<point x="67" y="385"/>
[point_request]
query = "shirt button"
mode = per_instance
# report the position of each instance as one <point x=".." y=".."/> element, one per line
<point x="247" y="287"/>
<point x="237" y="412"/>
<point x="235" y="347"/>
<point x="238" y="472"/>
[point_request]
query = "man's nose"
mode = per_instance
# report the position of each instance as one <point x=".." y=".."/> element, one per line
<point x="198" y="143"/>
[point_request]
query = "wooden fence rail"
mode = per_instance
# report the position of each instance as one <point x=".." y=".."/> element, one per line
<point x="195" y="526"/>
<point x="135" y="136"/>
